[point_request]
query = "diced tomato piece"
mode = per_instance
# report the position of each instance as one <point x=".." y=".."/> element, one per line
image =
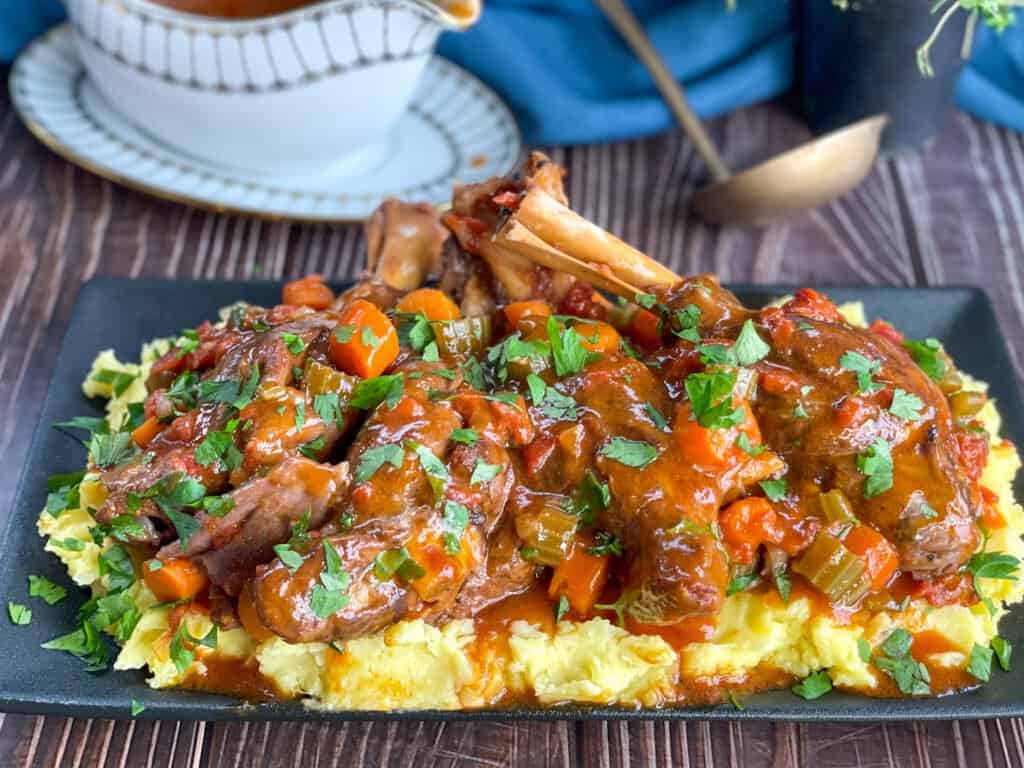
<point x="953" y="589"/>
<point x="309" y="291"/>
<point x="886" y="329"/>
<point x="852" y="411"/>
<point x="746" y="525"/>
<point x="880" y="557"/>
<point x="581" y="301"/>
<point x="368" y="341"/>
<point x="507" y="199"/>
<point x="645" y="329"/>
<point x="973" y="452"/>
<point x="810" y="303"/>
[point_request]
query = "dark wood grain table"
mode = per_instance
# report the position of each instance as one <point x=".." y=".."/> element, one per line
<point x="953" y="214"/>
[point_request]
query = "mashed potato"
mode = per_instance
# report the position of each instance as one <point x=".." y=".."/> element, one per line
<point x="413" y="665"/>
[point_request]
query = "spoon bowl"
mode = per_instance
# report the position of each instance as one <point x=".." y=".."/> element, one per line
<point x="799" y="179"/>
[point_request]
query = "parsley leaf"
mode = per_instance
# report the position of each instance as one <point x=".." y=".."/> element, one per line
<point x="294" y="343"/>
<point x="876" y="463"/>
<point x="864" y="650"/>
<point x="567" y="349"/>
<point x="927" y="355"/>
<point x="137" y="708"/>
<point x="1003" y="649"/>
<point x="484" y="472"/>
<point x="331" y="594"/>
<point x="119" y="381"/>
<point x="750" y="347"/>
<point x="218" y="506"/>
<point x="19" y="614"/>
<point x="743" y="443"/>
<point x="550" y="401"/>
<point x="740" y="583"/>
<point x="467" y="436"/>
<point x="906" y="405"/>
<point x="116" y="564"/>
<point x="993" y="565"/>
<point x="655" y="414"/>
<point x="40" y="586"/>
<point x="375" y="458"/>
<point x="291" y="559"/>
<point x="370" y="393"/>
<point x="632" y="453"/>
<point x="311" y="450"/>
<point x="688" y="320"/>
<point x="454" y="519"/>
<point x="717" y="354"/>
<point x="910" y="675"/>
<point x="369" y="338"/>
<point x="813" y="686"/>
<point x="328" y="407"/>
<point x="775" y="490"/>
<point x="249" y="389"/>
<point x="561" y="608"/>
<point x="397" y="561"/>
<point x="864" y="369"/>
<point x="107" y="450"/>
<point x="218" y="448"/>
<point x="711" y="399"/>
<point x="605" y="544"/>
<point x="589" y="498"/>
<point x="980" y="662"/>
<point x="219" y="390"/>
<point x="437" y="473"/>
<point x="646" y="300"/>
<point x="344" y="333"/>
<point x="782" y="584"/>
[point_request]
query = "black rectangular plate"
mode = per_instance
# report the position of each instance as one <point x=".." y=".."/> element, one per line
<point x="122" y="313"/>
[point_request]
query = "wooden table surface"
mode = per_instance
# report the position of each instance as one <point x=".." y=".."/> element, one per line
<point x="953" y="214"/>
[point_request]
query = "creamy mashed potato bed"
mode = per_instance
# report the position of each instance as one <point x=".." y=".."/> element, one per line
<point x="413" y="665"/>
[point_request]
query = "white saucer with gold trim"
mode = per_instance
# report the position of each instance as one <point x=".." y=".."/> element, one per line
<point x="455" y="131"/>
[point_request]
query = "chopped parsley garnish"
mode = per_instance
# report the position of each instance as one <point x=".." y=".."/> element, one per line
<point x="300" y="414"/>
<point x="561" y="608"/>
<point x="927" y="511"/>
<point x="484" y="472"/>
<point x="814" y="686"/>
<point x="550" y="401"/>
<point x="137" y="708"/>
<point x="655" y="415"/>
<point x="218" y="390"/>
<point x="506" y="398"/>
<point x="331" y="594"/>
<point x="108" y="450"/>
<point x="94" y="425"/>
<point x="906" y="405"/>
<point x="311" y="450"/>
<point x="993" y="565"/>
<point x="799" y="411"/>
<point x="291" y="559"/>
<point x="294" y="343"/>
<point x="782" y="584"/>
<point x="70" y="544"/>
<point x="864" y="650"/>
<point x="300" y="530"/>
<point x="876" y="463"/>
<point x="740" y="583"/>
<point x="473" y="373"/>
<point x="218" y="506"/>
<point x="467" y="436"/>
<point x="116" y="564"/>
<point x="437" y="473"/>
<point x="183" y="646"/>
<point x="370" y="393"/>
<point x="646" y="300"/>
<point x="928" y="356"/>
<point x="414" y="330"/>
<point x="567" y="349"/>
<point x="455" y="518"/>
<point x="750" y="347"/>
<point x="344" y="333"/>
<point x="717" y="354"/>
<point x="186" y="343"/>
<point x="1003" y="649"/>
<point x="632" y="453"/>
<point x="743" y="443"/>
<point x="605" y="544"/>
<point x="979" y="663"/>
<point x="911" y="676"/>
<point x="375" y="458"/>
<point x="19" y="614"/>
<point x="589" y="498"/>
<point x="63" y="492"/>
<point x="369" y="338"/>
<point x="119" y="381"/>
<point x="218" y="448"/>
<point x="248" y="389"/>
<point x="328" y="407"/>
<point x="40" y="586"/>
<point x="397" y="561"/>
<point x="775" y="490"/>
<point x="688" y="319"/>
<point x="711" y="399"/>
<point x="864" y="369"/>
<point x="431" y="354"/>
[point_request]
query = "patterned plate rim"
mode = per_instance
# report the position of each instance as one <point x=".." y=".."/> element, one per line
<point x="504" y="162"/>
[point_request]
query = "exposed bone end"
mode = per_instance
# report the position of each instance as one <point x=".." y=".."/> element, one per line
<point x="404" y="243"/>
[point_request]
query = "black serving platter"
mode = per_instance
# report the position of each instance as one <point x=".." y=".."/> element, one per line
<point x="122" y="313"/>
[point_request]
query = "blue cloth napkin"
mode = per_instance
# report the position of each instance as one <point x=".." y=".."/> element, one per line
<point x="571" y="79"/>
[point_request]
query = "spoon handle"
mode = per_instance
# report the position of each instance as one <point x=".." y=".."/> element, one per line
<point x="625" y="22"/>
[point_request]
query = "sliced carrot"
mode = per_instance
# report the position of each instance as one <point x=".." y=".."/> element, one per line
<point x="879" y="554"/>
<point x="645" y="329"/>
<point x="250" y="617"/>
<point x="434" y="304"/>
<point x="598" y="336"/>
<point x="713" y="449"/>
<point x="308" y="291"/>
<point x="580" y="577"/>
<point x="176" y="579"/>
<point x="144" y="433"/>
<point x="517" y="310"/>
<point x="365" y="342"/>
<point x="746" y="525"/>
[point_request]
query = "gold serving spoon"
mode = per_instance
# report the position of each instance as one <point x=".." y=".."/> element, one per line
<point x="802" y="178"/>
